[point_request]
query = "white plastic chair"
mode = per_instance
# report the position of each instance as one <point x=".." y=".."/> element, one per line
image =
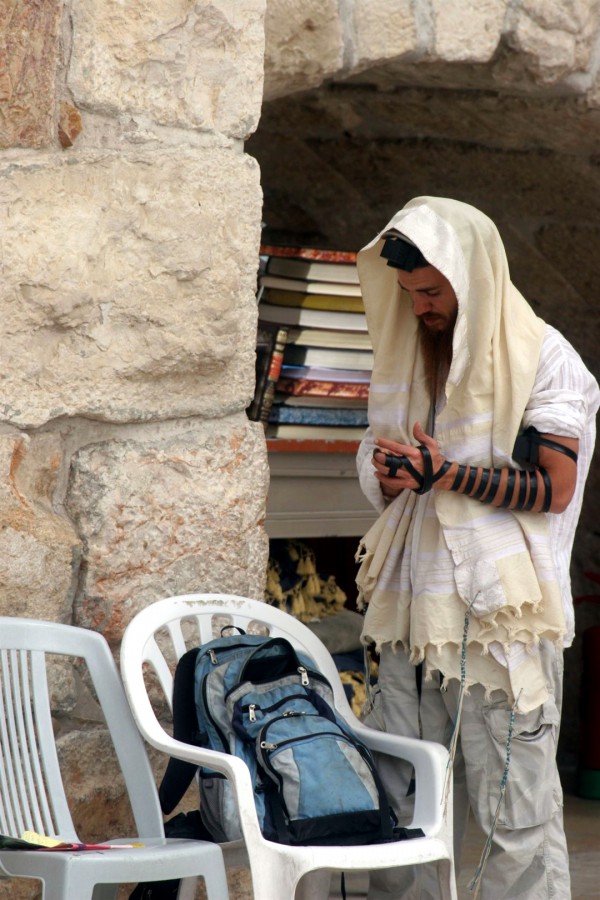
<point x="194" y="619"/>
<point x="32" y="793"/>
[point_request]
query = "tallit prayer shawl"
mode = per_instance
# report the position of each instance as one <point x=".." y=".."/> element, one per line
<point x="428" y="559"/>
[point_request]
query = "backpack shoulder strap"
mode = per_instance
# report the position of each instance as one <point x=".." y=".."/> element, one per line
<point x="179" y="774"/>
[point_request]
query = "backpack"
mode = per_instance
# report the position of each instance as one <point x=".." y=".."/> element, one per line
<point x="260" y="699"/>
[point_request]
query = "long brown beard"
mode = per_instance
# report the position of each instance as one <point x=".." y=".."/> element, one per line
<point x="436" y="347"/>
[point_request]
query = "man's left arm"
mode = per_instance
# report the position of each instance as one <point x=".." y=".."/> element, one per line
<point x="547" y="486"/>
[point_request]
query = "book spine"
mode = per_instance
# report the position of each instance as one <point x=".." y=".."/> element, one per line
<point x="263" y="356"/>
<point x="309" y="253"/>
<point x="306" y="415"/>
<point x="273" y="373"/>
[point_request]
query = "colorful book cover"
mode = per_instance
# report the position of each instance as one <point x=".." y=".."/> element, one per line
<point x="323" y="254"/>
<point x="310" y="415"/>
<point x="305" y="387"/>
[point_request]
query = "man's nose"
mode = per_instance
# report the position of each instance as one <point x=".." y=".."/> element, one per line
<point x="421" y="305"/>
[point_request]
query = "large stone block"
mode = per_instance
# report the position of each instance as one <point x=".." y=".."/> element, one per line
<point x="556" y="41"/>
<point x="20" y="889"/>
<point x="304" y="44"/>
<point x="95" y="786"/>
<point x="192" y="64"/>
<point x="169" y="516"/>
<point x="28" y="63"/>
<point x="384" y="31"/>
<point x="128" y="284"/>
<point x="467" y="37"/>
<point x="38" y="548"/>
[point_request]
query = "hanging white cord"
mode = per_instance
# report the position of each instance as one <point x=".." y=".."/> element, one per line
<point x="475" y="883"/>
<point x="458" y="713"/>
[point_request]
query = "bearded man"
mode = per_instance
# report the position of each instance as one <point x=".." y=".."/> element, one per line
<point x="480" y="438"/>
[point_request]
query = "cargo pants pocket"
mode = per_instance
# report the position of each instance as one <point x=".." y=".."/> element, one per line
<point x="529" y="798"/>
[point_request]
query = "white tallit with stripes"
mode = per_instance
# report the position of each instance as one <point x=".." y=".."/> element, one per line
<point x="429" y="558"/>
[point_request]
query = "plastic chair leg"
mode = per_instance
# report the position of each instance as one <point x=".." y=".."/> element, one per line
<point x="274" y="882"/>
<point x="105" y="892"/>
<point x="447" y="880"/>
<point x="68" y="888"/>
<point x="314" y="885"/>
<point x="216" y="884"/>
<point x="187" y="889"/>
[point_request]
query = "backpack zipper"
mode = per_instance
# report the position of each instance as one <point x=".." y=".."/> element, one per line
<point x="265" y="761"/>
<point x="251" y="708"/>
<point x="212" y="655"/>
<point x="352" y="741"/>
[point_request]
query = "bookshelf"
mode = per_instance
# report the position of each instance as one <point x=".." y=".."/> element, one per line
<point x="315" y="497"/>
<point x="314" y="490"/>
<point x="315" y="413"/>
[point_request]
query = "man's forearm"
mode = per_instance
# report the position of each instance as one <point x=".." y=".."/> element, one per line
<point x="505" y="487"/>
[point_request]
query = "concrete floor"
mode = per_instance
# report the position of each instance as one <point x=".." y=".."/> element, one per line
<point x="582" y="823"/>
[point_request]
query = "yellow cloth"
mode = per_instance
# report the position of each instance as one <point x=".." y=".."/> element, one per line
<point x="295" y="585"/>
<point x="501" y="560"/>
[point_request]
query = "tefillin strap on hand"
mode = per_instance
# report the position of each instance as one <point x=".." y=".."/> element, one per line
<point x="426" y="480"/>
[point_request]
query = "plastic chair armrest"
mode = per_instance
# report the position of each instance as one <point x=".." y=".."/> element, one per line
<point x="430" y="761"/>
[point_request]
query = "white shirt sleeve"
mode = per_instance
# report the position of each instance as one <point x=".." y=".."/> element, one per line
<point x="564" y="401"/>
<point x="564" y="394"/>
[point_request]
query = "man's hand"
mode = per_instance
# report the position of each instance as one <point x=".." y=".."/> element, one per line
<point x="392" y="485"/>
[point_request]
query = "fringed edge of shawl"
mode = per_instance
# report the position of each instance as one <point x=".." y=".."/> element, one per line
<point x="365" y="583"/>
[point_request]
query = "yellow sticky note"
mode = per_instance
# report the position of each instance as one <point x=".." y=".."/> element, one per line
<point x="40" y="839"/>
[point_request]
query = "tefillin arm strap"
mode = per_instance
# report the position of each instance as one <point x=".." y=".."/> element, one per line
<point x="522" y="486"/>
<point x="521" y="491"/>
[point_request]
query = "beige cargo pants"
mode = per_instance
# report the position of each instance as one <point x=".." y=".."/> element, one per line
<point x="528" y="859"/>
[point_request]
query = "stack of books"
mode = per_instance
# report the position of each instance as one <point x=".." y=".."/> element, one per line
<point x="314" y="355"/>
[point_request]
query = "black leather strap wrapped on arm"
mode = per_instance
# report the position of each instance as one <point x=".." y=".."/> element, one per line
<point x="516" y="489"/>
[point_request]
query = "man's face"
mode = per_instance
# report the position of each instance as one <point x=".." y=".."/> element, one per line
<point x="433" y="298"/>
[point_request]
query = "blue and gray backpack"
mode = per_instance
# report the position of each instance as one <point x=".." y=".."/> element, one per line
<point x="258" y="698"/>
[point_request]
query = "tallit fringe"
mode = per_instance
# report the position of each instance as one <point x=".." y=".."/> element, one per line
<point x="361" y="553"/>
<point x="417" y="656"/>
<point x="513" y="615"/>
<point x="365" y="583"/>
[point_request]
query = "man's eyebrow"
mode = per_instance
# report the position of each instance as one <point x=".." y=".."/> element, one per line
<point x="433" y="287"/>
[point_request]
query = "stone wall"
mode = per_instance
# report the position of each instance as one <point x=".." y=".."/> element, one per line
<point x="129" y="233"/>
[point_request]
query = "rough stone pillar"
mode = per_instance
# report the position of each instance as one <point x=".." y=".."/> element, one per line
<point x="129" y="233"/>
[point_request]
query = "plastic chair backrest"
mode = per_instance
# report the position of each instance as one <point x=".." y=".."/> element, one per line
<point x="182" y="631"/>
<point x="32" y="792"/>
